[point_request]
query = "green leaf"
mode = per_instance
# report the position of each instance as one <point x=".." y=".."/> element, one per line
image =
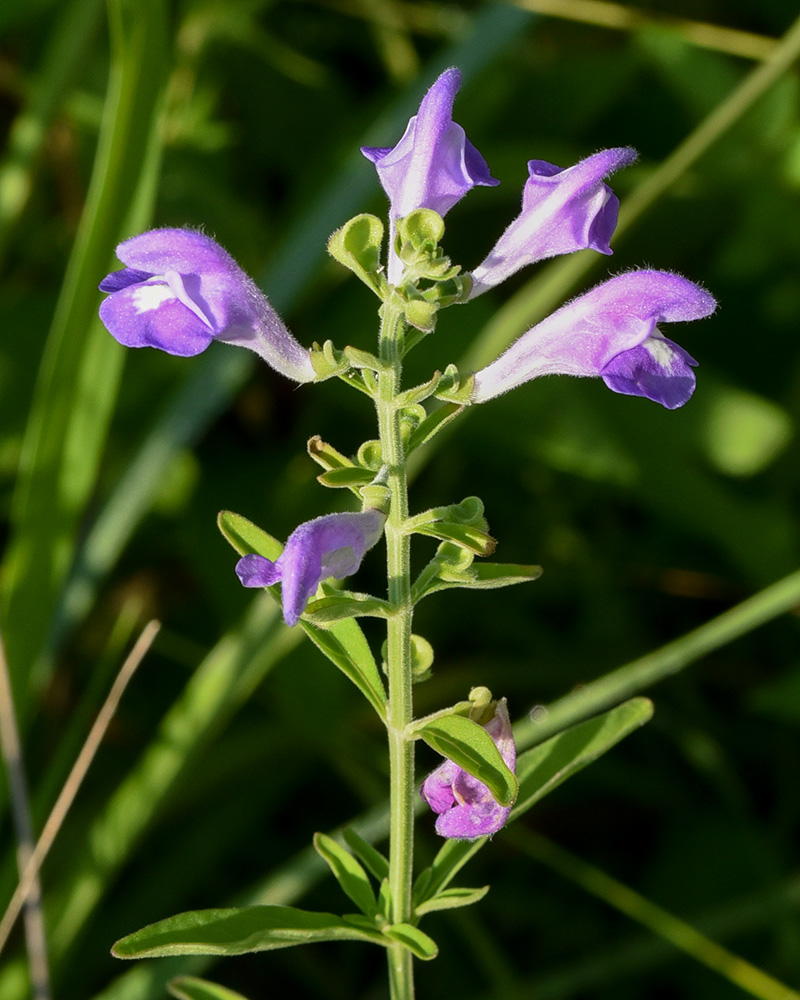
<point x="238" y="931"/>
<point x="470" y="747"/>
<point x="455" y="389"/>
<point x="444" y="575"/>
<point x="466" y="535"/>
<point x="344" y="644"/>
<point x="352" y="478"/>
<point x="385" y="898"/>
<point x="372" y="859"/>
<point x="420" y="227"/>
<point x="247" y="537"/>
<point x="364" y="359"/>
<point x="416" y="395"/>
<point x="469" y="511"/>
<point x="421" y="314"/>
<point x="357" y="245"/>
<point x="450" y="899"/>
<point x="346" y="604"/>
<point x="348" y="873"/>
<point x="417" y="942"/>
<point x="326" y="455"/>
<point x="192" y="988"/>
<point x="543" y="768"/>
<point x="489" y="576"/>
<point x="539" y="771"/>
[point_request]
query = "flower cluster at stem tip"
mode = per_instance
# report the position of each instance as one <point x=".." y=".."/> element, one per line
<point x="179" y="291"/>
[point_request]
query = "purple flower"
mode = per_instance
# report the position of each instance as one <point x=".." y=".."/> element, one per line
<point x="467" y="809"/>
<point x="434" y="164"/>
<point x="333" y="545"/>
<point x="611" y="332"/>
<point x="562" y="211"/>
<point x="180" y="290"/>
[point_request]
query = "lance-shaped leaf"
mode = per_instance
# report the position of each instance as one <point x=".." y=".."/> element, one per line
<point x="450" y="899"/>
<point x="335" y="607"/>
<point x="192" y="988"/>
<point x="466" y="535"/>
<point x="372" y="859"/>
<point x="432" y="424"/>
<point x="238" y="931"/>
<point x="348" y="873"/>
<point x="344" y="644"/>
<point x="452" y="566"/>
<point x="352" y="478"/>
<point x="470" y="747"/>
<point x="246" y="537"/>
<point x="540" y="770"/>
<point x="462" y="523"/>
<point x="544" y="767"/>
<point x="417" y="942"/>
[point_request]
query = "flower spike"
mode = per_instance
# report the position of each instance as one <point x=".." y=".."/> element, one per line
<point x="467" y="809"/>
<point x="610" y="332"/>
<point x="562" y="211"/>
<point x="180" y="290"/>
<point x="332" y="545"/>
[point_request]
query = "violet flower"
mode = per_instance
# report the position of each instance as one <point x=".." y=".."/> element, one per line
<point x="467" y="809"/>
<point x="332" y="545"/>
<point x="562" y="211"/>
<point x="180" y="290"/>
<point x="610" y="332"/>
<point x="433" y="165"/>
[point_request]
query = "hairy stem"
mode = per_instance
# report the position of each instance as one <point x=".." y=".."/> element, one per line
<point x="398" y="657"/>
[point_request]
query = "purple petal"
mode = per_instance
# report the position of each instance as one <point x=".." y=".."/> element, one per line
<point x="256" y="571"/>
<point x="473" y="820"/>
<point x="583" y="337"/>
<point x="121" y="279"/>
<point x="562" y="211"/>
<point x="149" y="314"/>
<point x="184" y="250"/>
<point x="657" y="369"/>
<point x="433" y="165"/>
<point x="437" y="788"/>
<point x="210" y="298"/>
<point x="376" y="153"/>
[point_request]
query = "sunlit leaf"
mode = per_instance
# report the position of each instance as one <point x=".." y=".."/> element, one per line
<point x="473" y="749"/>
<point x="238" y="931"/>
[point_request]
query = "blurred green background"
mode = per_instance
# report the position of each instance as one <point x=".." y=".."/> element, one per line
<point x="236" y="740"/>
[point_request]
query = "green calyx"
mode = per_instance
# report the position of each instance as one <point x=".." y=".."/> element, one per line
<point x="357" y="245"/>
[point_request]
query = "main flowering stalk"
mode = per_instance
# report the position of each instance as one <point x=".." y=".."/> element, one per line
<point x="398" y="648"/>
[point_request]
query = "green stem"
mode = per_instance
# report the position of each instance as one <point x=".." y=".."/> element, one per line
<point x="398" y="656"/>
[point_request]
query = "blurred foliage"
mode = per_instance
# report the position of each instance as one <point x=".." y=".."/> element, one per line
<point x="228" y="753"/>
